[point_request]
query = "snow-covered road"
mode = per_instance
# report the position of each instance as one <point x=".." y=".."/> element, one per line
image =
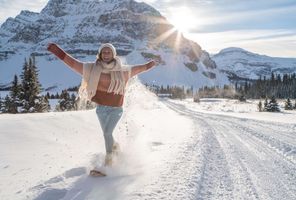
<point x="242" y="158"/>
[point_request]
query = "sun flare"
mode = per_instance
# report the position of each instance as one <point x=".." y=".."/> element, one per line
<point x="183" y="19"/>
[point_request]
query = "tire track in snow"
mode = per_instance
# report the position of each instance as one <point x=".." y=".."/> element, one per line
<point x="215" y="186"/>
<point x="215" y="181"/>
<point x="282" y="131"/>
<point x="268" y="138"/>
<point x="243" y="187"/>
<point x="242" y="176"/>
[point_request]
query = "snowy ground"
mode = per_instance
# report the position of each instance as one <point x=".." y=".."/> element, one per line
<point x="217" y="149"/>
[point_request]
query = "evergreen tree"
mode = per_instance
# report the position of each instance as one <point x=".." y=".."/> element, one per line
<point x="7" y="106"/>
<point x="288" y="105"/>
<point x="74" y="101"/>
<point x="42" y="104"/>
<point x="1" y="105"/>
<point x="15" y="91"/>
<point x="24" y="96"/>
<point x="265" y="104"/>
<point x="31" y="100"/>
<point x="273" y="106"/>
<point x="242" y="98"/>
<point x="66" y="103"/>
<point x="47" y="95"/>
<point x="73" y="97"/>
<point x="272" y="79"/>
<point x="260" y="106"/>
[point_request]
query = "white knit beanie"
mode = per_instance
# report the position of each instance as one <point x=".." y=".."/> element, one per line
<point x="109" y="45"/>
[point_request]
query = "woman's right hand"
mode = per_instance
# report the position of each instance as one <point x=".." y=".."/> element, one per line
<point x="56" y="50"/>
<point x="150" y="64"/>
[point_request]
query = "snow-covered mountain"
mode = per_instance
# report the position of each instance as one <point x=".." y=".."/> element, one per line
<point x="139" y="33"/>
<point x="239" y="63"/>
<point x="137" y="30"/>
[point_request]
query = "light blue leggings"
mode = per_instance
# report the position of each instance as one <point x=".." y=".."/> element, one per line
<point x="108" y="117"/>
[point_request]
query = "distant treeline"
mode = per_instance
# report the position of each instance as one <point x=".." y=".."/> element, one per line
<point x="276" y="86"/>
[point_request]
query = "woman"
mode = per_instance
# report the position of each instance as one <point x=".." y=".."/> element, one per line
<point x="103" y="82"/>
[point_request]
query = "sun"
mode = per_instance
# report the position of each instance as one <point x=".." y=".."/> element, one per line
<point x="184" y="22"/>
<point x="183" y="19"/>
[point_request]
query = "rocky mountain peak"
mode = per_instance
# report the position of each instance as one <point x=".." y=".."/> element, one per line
<point x="232" y="49"/>
<point x="237" y="51"/>
<point x="242" y="64"/>
<point x="59" y="8"/>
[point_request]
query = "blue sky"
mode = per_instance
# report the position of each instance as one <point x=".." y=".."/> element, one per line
<point x="262" y="26"/>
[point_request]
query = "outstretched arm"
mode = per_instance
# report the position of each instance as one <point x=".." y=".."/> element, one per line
<point x="74" y="64"/>
<point x="141" y="68"/>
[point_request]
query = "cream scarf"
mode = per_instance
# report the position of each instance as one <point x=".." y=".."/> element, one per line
<point x="92" y="73"/>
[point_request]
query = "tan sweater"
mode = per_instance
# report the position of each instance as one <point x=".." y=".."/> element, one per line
<point x="102" y="97"/>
